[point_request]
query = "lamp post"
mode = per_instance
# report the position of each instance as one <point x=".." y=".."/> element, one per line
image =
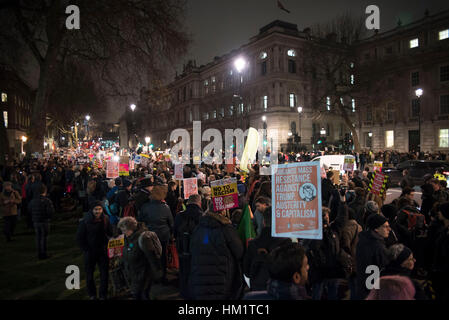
<point x="299" y="129"/>
<point x="24" y="139"/>
<point x="240" y="64"/>
<point x="133" y="107"/>
<point x="87" y="125"/>
<point x="147" y="141"/>
<point x="419" y="93"/>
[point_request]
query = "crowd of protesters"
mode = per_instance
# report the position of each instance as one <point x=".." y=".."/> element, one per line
<point x="409" y="245"/>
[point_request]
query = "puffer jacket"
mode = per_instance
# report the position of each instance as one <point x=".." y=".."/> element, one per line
<point x="41" y="209"/>
<point x="216" y="252"/>
<point x="158" y="218"/>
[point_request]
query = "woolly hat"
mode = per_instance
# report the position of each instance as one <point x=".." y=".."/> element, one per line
<point x="145" y="183"/>
<point x="94" y="204"/>
<point x="374" y="221"/>
<point x="405" y="253"/>
<point x="389" y="211"/>
<point x="371" y="207"/>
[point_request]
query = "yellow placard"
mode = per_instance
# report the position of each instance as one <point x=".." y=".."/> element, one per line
<point x="224" y="190"/>
<point x="116" y="243"/>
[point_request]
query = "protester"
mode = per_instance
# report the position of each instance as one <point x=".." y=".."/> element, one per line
<point x="261" y="203"/>
<point x="393" y="288"/>
<point x="9" y="200"/>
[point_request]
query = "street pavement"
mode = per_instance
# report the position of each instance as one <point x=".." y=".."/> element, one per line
<point x="394" y="193"/>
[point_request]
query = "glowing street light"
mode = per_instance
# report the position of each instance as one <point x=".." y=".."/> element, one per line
<point x="419" y="92"/>
<point x="24" y="139"/>
<point x="264" y="118"/>
<point x="88" y="117"/>
<point x="240" y="64"/>
<point x="133" y="107"/>
<point x="322" y="131"/>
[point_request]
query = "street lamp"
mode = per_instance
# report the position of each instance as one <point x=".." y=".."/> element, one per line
<point x="322" y="132"/>
<point x="147" y="141"/>
<point x="299" y="129"/>
<point x="24" y="139"/>
<point x="419" y="93"/>
<point x="133" y="107"/>
<point x="264" y="118"/>
<point x="240" y="64"/>
<point x="87" y="125"/>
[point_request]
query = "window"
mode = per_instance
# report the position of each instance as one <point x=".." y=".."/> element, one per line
<point x="328" y="103"/>
<point x="292" y="100"/>
<point x="291" y="66"/>
<point x="222" y="112"/>
<point x="212" y="79"/>
<point x="368" y="140"/>
<point x="231" y="110"/>
<point x="4" y="97"/>
<point x="291" y="53"/>
<point x="415" y="108"/>
<point x="352" y="65"/>
<point x="444" y="138"/>
<point x="230" y="72"/>
<point x="265" y="102"/>
<point x="205" y="115"/>
<point x="443" y="34"/>
<point x="5" y="118"/>
<point x="389" y="50"/>
<point x="367" y="56"/>
<point x="444" y="104"/>
<point x="389" y="139"/>
<point x="414" y="43"/>
<point x="241" y="108"/>
<point x="390" y="111"/>
<point x="444" y="73"/>
<point x="190" y="116"/>
<point x="352" y="79"/>
<point x="264" y="68"/>
<point x="214" y="114"/>
<point x="369" y="113"/>
<point x="415" y="78"/>
<point x="353" y="105"/>
<point x="263" y="55"/>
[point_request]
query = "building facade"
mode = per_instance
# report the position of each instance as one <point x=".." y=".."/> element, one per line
<point x="265" y="92"/>
<point x="391" y="67"/>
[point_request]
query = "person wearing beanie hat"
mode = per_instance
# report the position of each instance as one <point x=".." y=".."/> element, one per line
<point x="93" y="235"/>
<point x="124" y="195"/>
<point x="143" y="195"/>
<point x="371" y="207"/>
<point x="371" y="250"/>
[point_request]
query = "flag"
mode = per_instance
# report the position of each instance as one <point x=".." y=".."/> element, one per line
<point x="246" y="228"/>
<point x="281" y="6"/>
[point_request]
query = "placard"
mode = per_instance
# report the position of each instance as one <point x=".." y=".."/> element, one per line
<point x="190" y="187"/>
<point x="112" y="169"/>
<point x="296" y="200"/>
<point x="123" y="169"/>
<point x="378" y="165"/>
<point x="179" y="173"/>
<point x="378" y="183"/>
<point x="224" y="194"/>
<point x="115" y="246"/>
<point x="348" y="165"/>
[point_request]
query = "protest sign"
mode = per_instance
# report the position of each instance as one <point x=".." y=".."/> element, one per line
<point x="179" y="174"/>
<point x="112" y="169"/>
<point x="123" y="169"/>
<point x="378" y="183"/>
<point x="296" y="200"/>
<point x="137" y="159"/>
<point x="224" y="194"/>
<point x="115" y="246"/>
<point x="378" y="165"/>
<point x="131" y="165"/>
<point x="190" y="187"/>
<point x="349" y="164"/>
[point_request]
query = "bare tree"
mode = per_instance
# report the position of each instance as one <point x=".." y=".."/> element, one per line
<point x="125" y="42"/>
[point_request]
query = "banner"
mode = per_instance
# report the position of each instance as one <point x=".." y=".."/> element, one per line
<point x="378" y="183"/>
<point x="378" y="166"/>
<point x="224" y="194"/>
<point x="190" y="187"/>
<point x="349" y="164"/>
<point x="131" y="165"/>
<point x="112" y="169"/>
<point x="179" y="173"/>
<point x="123" y="169"/>
<point x="137" y="159"/>
<point x="296" y="200"/>
<point x="115" y="246"/>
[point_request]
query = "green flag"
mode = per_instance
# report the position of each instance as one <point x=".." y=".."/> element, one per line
<point x="246" y="227"/>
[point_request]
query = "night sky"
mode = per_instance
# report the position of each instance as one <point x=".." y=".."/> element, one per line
<point x="219" y="26"/>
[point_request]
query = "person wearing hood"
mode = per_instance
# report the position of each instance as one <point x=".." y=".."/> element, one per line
<point x="358" y="205"/>
<point x="93" y="235"/>
<point x="143" y="195"/>
<point x="371" y="250"/>
<point x="157" y="216"/>
<point x="371" y="207"/>
<point x="402" y="263"/>
<point x="216" y="253"/>
<point x="124" y="195"/>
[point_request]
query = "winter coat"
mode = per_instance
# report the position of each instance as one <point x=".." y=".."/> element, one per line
<point x="349" y="238"/>
<point x="93" y="235"/>
<point x="326" y="189"/>
<point x="370" y="250"/>
<point x="192" y="212"/>
<point x="266" y="242"/>
<point x="158" y="218"/>
<point x="172" y="201"/>
<point x="406" y="181"/>
<point x="216" y="252"/>
<point x="9" y="209"/>
<point x="441" y="263"/>
<point x="279" y="290"/>
<point x="137" y="260"/>
<point x="141" y="197"/>
<point x="358" y="205"/>
<point x="41" y="209"/>
<point x="392" y="270"/>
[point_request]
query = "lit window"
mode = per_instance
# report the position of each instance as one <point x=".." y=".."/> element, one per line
<point x="444" y="138"/>
<point x="263" y="55"/>
<point x="443" y="34"/>
<point x="292" y="100"/>
<point x="241" y="107"/>
<point x="328" y="103"/>
<point x="205" y="116"/>
<point x="5" y="118"/>
<point x="215" y="114"/>
<point x="206" y="83"/>
<point x="230" y="73"/>
<point x="231" y="110"/>
<point x="353" y="105"/>
<point x="414" y="43"/>
<point x="341" y="100"/>
<point x="389" y="139"/>
<point x="291" y="53"/>
<point x="352" y="79"/>
<point x="190" y="116"/>
<point x="352" y="65"/>
<point x="222" y="112"/>
<point x="4" y="97"/>
<point x="265" y="102"/>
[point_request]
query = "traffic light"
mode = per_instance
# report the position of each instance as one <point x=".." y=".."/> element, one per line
<point x="319" y="141"/>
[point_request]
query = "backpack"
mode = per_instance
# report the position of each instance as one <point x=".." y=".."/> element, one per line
<point x="152" y="244"/>
<point x="415" y="220"/>
<point x="129" y="210"/>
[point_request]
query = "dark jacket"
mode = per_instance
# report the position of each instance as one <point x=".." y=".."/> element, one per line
<point x="358" y="205"/>
<point x="92" y="235"/>
<point x="326" y="190"/>
<point x="216" y="252"/>
<point x="123" y="197"/>
<point x="441" y="264"/>
<point x="172" y="201"/>
<point x="141" y="197"/>
<point x="158" y="218"/>
<point x="279" y="290"/>
<point x="370" y="250"/>
<point x="392" y="269"/>
<point x="267" y="243"/>
<point x="187" y="219"/>
<point x="41" y="209"/>
<point x="406" y="181"/>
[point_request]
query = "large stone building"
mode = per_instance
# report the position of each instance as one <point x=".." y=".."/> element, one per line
<point x="395" y="64"/>
<point x="271" y="85"/>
